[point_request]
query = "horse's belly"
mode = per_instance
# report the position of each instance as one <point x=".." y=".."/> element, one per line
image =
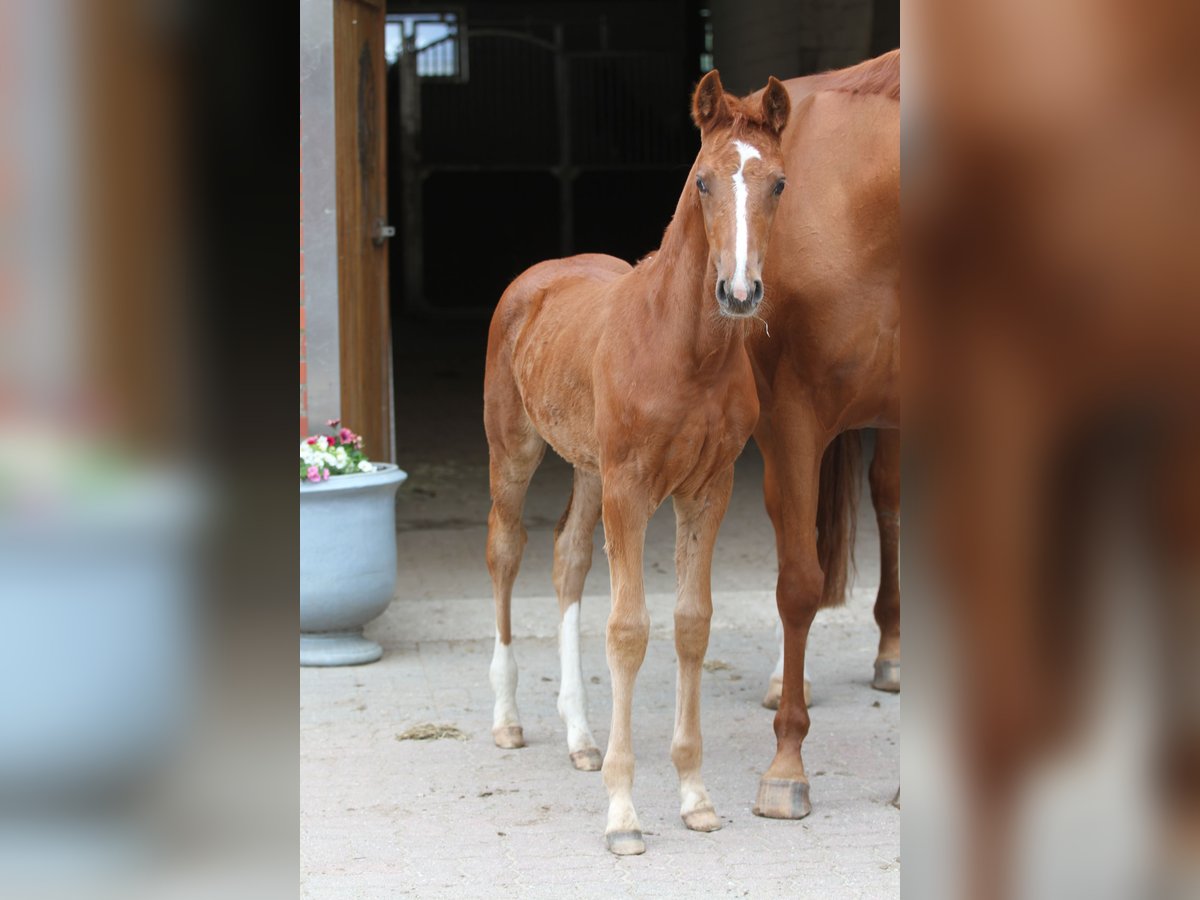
<point x="563" y="427"/>
<point x="559" y="403"/>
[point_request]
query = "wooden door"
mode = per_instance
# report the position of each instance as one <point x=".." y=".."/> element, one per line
<point x="361" y="125"/>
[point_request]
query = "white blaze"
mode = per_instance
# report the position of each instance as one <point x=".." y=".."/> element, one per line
<point x="742" y="233"/>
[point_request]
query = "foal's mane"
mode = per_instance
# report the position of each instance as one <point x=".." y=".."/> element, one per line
<point x="880" y="75"/>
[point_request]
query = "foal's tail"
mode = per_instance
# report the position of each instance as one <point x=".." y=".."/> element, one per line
<point x="837" y="513"/>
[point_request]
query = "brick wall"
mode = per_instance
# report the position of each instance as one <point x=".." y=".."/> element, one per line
<point x="303" y="362"/>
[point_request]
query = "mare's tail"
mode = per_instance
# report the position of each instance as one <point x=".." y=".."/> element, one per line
<point x="837" y="513"/>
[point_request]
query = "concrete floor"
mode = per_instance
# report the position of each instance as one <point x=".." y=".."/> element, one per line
<point x="382" y="817"/>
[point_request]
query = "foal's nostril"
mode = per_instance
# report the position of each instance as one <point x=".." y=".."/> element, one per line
<point x="758" y="290"/>
<point x="722" y="290"/>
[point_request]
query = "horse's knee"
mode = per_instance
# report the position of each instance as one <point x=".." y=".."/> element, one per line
<point x="691" y="631"/>
<point x="628" y="634"/>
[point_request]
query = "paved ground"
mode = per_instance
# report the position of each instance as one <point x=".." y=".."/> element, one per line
<point x="382" y="817"/>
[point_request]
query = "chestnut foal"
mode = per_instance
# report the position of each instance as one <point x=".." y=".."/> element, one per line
<point x="638" y="377"/>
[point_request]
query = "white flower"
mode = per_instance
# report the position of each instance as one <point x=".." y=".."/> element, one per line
<point x="365" y="466"/>
<point x="322" y="443"/>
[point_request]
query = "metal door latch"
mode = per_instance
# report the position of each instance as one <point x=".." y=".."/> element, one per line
<point x="381" y="232"/>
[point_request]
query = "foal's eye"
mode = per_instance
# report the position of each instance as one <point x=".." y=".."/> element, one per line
<point x="779" y="186"/>
<point x="701" y="186"/>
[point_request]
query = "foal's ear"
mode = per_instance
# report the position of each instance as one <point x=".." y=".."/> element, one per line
<point x="709" y="108"/>
<point x="776" y="105"/>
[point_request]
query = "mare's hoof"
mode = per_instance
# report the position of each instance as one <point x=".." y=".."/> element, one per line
<point x="509" y="737"/>
<point x="625" y="843"/>
<point x="587" y="760"/>
<point x="887" y="676"/>
<point x="896" y="799"/>
<point x="782" y="798"/>
<point x="702" y="819"/>
<point x="775" y="691"/>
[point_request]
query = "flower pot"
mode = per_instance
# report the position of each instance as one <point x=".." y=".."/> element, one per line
<point x="347" y="563"/>
<point x="97" y="611"/>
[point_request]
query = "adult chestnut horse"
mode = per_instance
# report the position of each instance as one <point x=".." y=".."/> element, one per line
<point x="835" y="511"/>
<point x="830" y="364"/>
<point x="639" y="377"/>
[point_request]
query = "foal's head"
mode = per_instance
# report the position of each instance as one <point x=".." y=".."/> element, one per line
<point x="739" y="177"/>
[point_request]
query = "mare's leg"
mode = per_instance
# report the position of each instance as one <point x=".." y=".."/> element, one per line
<point x="572" y="560"/>
<point x="775" y="685"/>
<point x="885" y="495"/>
<point x="697" y="520"/>
<point x="516" y="449"/>
<point x="627" y="510"/>
<point x="792" y="455"/>
<point x="763" y="437"/>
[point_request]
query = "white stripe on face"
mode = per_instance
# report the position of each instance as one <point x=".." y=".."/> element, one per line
<point x="742" y="233"/>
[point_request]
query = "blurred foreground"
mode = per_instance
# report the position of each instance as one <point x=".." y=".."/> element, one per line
<point x="1052" y="485"/>
<point x="147" y="672"/>
<point x="1051" y="735"/>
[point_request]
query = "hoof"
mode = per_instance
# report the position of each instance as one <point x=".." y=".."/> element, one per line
<point x="887" y="676"/>
<point x="896" y="799"/>
<point x="587" y="760"/>
<point x="775" y="691"/>
<point x="509" y="737"/>
<point x="702" y="819"/>
<point x="625" y="843"/>
<point x="780" y="798"/>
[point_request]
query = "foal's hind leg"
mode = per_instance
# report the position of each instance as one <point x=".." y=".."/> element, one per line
<point x="696" y="522"/>
<point x="885" y="494"/>
<point x="515" y="454"/>
<point x="572" y="560"/>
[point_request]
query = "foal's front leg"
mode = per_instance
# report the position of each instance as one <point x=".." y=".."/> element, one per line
<point x="627" y="509"/>
<point x="697" y="520"/>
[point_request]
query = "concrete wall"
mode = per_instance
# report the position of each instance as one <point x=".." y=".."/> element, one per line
<point x="786" y="38"/>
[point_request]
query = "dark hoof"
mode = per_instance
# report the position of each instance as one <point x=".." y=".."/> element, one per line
<point x="625" y="843"/>
<point x="896" y="799"/>
<point x="887" y="676"/>
<point x="509" y="737"/>
<point x="703" y="819"/>
<point x="587" y="760"/>
<point x="781" y="798"/>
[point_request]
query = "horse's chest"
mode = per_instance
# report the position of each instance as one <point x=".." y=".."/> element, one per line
<point x="680" y="441"/>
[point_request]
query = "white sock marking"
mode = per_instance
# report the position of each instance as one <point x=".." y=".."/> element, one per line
<point x="742" y="232"/>
<point x="572" y="696"/>
<point x="504" y="682"/>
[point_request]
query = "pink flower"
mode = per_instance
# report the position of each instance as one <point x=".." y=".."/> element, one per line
<point x="313" y="474"/>
<point x="346" y="435"/>
<point x="333" y="423"/>
<point x="325" y="475"/>
<point x="312" y="441"/>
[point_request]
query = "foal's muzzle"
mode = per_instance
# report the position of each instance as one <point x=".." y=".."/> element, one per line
<point x="733" y="306"/>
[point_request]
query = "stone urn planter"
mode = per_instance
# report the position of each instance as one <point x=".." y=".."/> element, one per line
<point x="347" y="563"/>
